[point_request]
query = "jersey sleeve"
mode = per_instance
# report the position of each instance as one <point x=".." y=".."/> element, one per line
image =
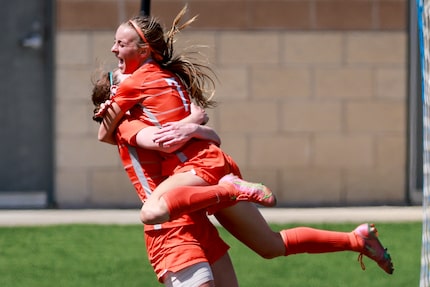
<point x="127" y="95"/>
<point x="128" y="129"/>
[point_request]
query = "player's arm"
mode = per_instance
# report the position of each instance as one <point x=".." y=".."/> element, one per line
<point x="110" y="121"/>
<point x="177" y="134"/>
<point x="174" y="135"/>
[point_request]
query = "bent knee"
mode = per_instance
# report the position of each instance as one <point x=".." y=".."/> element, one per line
<point x="269" y="255"/>
<point x="152" y="216"/>
<point x="147" y="216"/>
<point x="270" y="252"/>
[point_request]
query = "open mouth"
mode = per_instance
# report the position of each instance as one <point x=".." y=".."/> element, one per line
<point x="120" y="64"/>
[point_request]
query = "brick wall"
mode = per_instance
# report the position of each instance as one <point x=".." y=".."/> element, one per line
<point x="312" y="96"/>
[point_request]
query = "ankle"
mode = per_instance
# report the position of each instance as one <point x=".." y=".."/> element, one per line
<point x="228" y="189"/>
<point x="357" y="243"/>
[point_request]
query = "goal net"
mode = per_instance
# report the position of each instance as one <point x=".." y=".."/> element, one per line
<point x="423" y="16"/>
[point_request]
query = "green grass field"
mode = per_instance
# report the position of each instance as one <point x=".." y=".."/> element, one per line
<point x="100" y="255"/>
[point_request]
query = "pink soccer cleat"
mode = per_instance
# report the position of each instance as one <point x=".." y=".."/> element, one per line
<point x="367" y="236"/>
<point x="249" y="191"/>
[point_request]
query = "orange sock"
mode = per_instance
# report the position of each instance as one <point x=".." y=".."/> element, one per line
<point x="310" y="240"/>
<point x="186" y="199"/>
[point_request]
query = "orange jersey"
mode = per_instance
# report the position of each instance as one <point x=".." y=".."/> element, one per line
<point x="141" y="165"/>
<point x="153" y="95"/>
<point x="177" y="244"/>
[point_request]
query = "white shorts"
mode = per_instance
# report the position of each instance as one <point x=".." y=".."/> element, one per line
<point x="192" y="276"/>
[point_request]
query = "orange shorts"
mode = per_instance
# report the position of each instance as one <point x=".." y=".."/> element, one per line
<point x="175" y="248"/>
<point x="206" y="159"/>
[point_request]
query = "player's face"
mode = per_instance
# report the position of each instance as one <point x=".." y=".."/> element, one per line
<point x="130" y="55"/>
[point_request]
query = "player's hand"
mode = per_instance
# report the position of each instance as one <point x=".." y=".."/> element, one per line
<point x="174" y="133"/>
<point x="103" y="108"/>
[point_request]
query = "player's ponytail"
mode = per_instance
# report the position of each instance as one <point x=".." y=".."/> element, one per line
<point x="196" y="77"/>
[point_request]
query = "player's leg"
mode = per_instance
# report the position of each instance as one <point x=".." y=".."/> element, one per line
<point x="186" y="192"/>
<point x="155" y="209"/>
<point x="246" y="223"/>
<point x="216" y="251"/>
<point x="363" y="239"/>
<point x="201" y="182"/>
<point x="223" y="271"/>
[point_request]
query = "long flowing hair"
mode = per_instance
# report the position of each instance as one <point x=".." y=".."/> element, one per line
<point x="196" y="77"/>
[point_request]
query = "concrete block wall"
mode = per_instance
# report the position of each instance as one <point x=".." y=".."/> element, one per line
<point x="312" y="97"/>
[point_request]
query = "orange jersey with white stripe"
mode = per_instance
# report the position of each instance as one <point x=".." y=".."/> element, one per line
<point x="177" y="244"/>
<point x="142" y="166"/>
<point x="153" y="95"/>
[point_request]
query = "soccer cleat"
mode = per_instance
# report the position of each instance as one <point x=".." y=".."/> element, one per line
<point x="367" y="236"/>
<point x="249" y="191"/>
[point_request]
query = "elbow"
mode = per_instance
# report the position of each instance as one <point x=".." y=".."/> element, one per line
<point x="102" y="135"/>
<point x="103" y="139"/>
<point x="106" y="139"/>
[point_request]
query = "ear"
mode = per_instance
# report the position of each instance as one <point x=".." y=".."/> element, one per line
<point x="145" y="52"/>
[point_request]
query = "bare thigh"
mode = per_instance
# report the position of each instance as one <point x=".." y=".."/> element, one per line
<point x="245" y="222"/>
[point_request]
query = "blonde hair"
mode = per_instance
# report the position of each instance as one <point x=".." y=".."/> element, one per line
<point x="196" y="77"/>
